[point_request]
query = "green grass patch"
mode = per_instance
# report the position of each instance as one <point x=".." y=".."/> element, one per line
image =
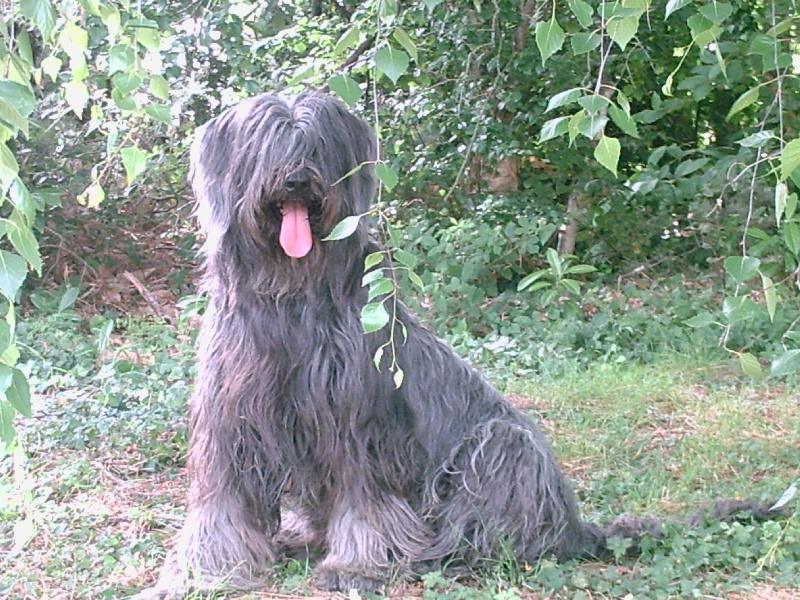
<point x="88" y="505"/>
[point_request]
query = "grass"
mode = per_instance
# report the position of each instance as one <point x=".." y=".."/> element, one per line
<point x="89" y="503"/>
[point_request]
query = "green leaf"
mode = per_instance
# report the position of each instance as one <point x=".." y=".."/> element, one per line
<point x="572" y="286"/>
<point x="584" y="42"/>
<point x="791" y="236"/>
<point x="742" y="268"/>
<point x="372" y="277"/>
<point x="13" y="269"/>
<point x="134" y="160"/>
<point x="74" y="41"/>
<point x="406" y="42"/>
<point x="398" y="378"/>
<point x="346" y="88"/>
<point x="791" y="205"/>
<point x="7" y="414"/>
<point x="68" y="298"/>
<point x="22" y="199"/>
<point x="416" y="280"/>
<point x="19" y="393"/>
<point x="716" y="12"/>
<point x="790" y="159"/>
<point x="127" y="83"/>
<point x="51" y="66"/>
<point x="529" y="279"/>
<point x="41" y="13"/>
<point x="575" y="124"/>
<point x="149" y="38"/>
<point x="554" y="128"/>
<point x="373" y="260"/>
<point x="563" y="98"/>
<point x="703" y="31"/>
<point x="112" y="19"/>
<point x="703" y="319"/>
<point x="387" y="175"/>
<point x="607" y="153"/>
<point x="690" y="166"/>
<point x="781" y="194"/>
<point x="786" y="364"/>
<point x="623" y="120"/>
<point x="10" y="116"/>
<point x="770" y="296"/>
<point x="743" y="101"/>
<point x="77" y="95"/>
<point x="159" y="87"/>
<point x="594" y="103"/>
<point x="786" y="497"/>
<point x="387" y="9"/>
<point x="673" y="5"/>
<point x="24" y="241"/>
<point x="549" y="38"/>
<point x="739" y="308"/>
<point x="431" y="4"/>
<point x="93" y="196"/>
<point x="5" y="336"/>
<point x="374" y="317"/>
<point x="377" y="358"/>
<point x="582" y="11"/>
<point x="92" y="6"/>
<point x="123" y="101"/>
<point x="9" y="168"/>
<point x="344" y="228"/>
<point x="391" y="62"/>
<point x="380" y="288"/>
<point x="160" y="112"/>
<point x="19" y="96"/>
<point x="622" y="30"/>
<point x="750" y="365"/>
<point x="405" y="258"/>
<point x="302" y="73"/>
<point x="120" y="58"/>
<point x="756" y="140"/>
<point x="347" y="40"/>
<point x="593" y="125"/>
<point x="555" y="261"/>
<point x="581" y="269"/>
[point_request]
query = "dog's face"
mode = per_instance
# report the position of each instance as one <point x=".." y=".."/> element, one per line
<point x="282" y="173"/>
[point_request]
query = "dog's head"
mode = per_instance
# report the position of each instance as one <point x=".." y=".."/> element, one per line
<point x="282" y="173"/>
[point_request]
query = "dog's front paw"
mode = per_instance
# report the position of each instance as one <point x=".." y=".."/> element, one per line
<point x="343" y="581"/>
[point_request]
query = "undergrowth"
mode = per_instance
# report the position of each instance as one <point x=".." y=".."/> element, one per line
<point x="644" y="417"/>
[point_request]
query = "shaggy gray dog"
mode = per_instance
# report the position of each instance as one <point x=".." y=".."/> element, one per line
<point x="297" y="439"/>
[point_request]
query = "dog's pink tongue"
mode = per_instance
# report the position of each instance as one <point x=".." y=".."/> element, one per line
<point x="295" y="235"/>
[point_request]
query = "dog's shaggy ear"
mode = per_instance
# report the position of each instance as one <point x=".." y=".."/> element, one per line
<point x="211" y="210"/>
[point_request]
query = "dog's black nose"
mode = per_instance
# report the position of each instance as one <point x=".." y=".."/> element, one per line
<point x="296" y="181"/>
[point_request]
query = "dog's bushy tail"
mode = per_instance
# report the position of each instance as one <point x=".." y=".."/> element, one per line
<point x="636" y="528"/>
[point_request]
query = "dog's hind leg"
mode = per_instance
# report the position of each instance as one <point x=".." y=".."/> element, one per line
<point x="501" y="494"/>
<point x="367" y="539"/>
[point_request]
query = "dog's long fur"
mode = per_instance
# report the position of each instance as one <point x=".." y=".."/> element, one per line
<point x="296" y="437"/>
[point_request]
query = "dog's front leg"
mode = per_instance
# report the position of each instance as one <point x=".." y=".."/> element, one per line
<point x="367" y="538"/>
<point x="228" y="538"/>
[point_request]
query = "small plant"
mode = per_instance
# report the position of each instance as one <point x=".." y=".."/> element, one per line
<point x="555" y="280"/>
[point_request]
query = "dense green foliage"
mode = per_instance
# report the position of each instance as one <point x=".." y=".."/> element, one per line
<point x="532" y="153"/>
